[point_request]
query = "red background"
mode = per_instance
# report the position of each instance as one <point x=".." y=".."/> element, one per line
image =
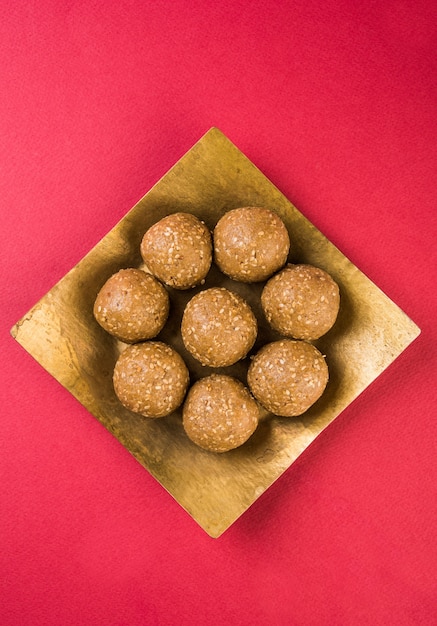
<point x="335" y="102"/>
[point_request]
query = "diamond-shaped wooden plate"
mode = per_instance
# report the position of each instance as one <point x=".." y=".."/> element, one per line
<point x="62" y="335"/>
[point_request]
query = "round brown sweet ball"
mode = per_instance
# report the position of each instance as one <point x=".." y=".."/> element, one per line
<point x="150" y="378"/>
<point x="250" y="244"/>
<point x="219" y="413"/>
<point x="132" y="306"/>
<point x="287" y="376"/>
<point x="301" y="301"/>
<point x="218" y="327"/>
<point x="178" y="250"/>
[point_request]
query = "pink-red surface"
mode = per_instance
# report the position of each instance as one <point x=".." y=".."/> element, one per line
<point x="336" y="102"/>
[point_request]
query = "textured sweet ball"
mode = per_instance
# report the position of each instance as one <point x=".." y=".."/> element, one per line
<point x="150" y="378"/>
<point x="218" y="327"/>
<point x="301" y="301"/>
<point x="250" y="244"/>
<point x="287" y="377"/>
<point x="219" y="413"/>
<point x="132" y="306"/>
<point x="178" y="250"/>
